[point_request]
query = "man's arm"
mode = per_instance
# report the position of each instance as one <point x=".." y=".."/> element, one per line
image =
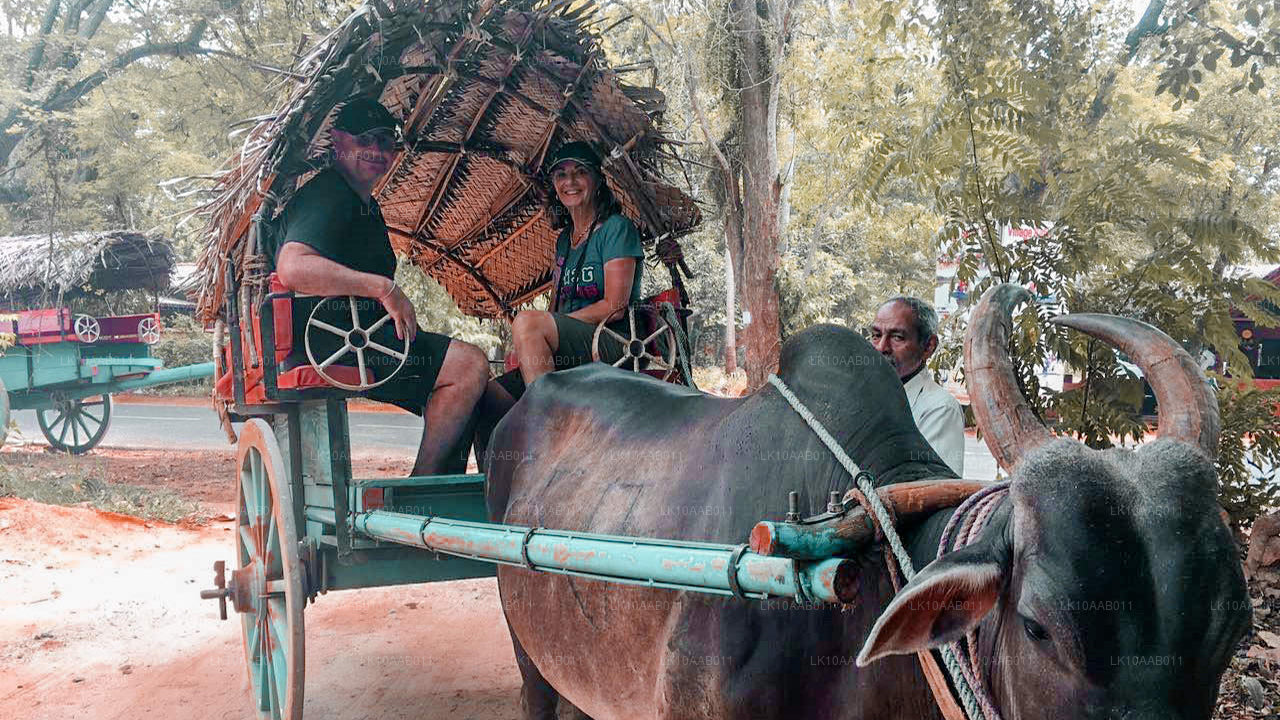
<point x="943" y="427"/>
<point x="304" y="270"/>
<point x="619" y="275"/>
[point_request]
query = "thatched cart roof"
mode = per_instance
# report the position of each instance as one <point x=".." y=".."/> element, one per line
<point x="485" y="91"/>
<point x="34" y="267"/>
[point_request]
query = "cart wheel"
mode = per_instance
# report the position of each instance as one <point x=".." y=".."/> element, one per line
<point x="149" y="330"/>
<point x="4" y="413"/>
<point x="636" y="348"/>
<point x="268" y="580"/>
<point x="87" y="329"/>
<point x="75" y="426"/>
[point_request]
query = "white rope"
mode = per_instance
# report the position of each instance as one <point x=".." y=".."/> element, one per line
<point x="868" y="491"/>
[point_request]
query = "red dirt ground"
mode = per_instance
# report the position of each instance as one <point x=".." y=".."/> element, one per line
<point x="100" y="617"/>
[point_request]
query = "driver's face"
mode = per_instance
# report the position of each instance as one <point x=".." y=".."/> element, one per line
<point x="893" y="333"/>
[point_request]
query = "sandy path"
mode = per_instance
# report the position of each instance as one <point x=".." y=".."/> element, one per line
<point x="100" y="618"/>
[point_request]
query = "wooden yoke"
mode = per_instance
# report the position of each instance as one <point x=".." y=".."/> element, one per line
<point x="847" y="532"/>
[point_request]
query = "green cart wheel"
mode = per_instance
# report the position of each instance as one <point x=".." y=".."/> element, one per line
<point x="267" y="582"/>
<point x="77" y="425"/>
<point x="4" y="413"/>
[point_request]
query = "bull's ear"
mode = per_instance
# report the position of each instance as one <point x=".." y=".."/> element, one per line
<point x="940" y="604"/>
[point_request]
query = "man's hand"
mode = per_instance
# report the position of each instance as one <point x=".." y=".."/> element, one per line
<point x="401" y="312"/>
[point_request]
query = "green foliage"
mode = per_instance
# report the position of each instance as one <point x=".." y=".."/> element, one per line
<point x="1249" y="450"/>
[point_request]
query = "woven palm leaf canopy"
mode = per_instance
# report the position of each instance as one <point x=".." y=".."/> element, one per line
<point x="37" y="270"/>
<point x="485" y="92"/>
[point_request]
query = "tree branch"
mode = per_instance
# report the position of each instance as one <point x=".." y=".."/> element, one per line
<point x="187" y="46"/>
<point x="37" y="50"/>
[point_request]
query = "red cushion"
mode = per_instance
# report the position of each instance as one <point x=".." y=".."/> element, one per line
<point x="306" y="376"/>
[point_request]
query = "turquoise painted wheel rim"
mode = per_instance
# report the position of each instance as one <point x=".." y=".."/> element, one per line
<point x="269" y="574"/>
<point x="75" y="426"/>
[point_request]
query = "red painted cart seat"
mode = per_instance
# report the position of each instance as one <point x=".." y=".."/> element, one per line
<point x="48" y="325"/>
<point x="299" y="378"/>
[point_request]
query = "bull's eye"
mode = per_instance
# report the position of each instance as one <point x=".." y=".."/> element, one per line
<point x="1034" y="630"/>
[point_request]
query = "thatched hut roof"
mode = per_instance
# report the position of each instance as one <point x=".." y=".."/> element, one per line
<point x="33" y="267"/>
<point x="485" y="90"/>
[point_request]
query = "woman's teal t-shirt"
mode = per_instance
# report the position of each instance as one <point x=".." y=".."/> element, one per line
<point x="580" y="270"/>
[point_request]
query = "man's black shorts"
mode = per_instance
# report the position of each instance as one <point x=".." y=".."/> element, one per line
<point x="410" y="387"/>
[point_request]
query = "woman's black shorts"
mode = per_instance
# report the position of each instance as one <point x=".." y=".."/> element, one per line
<point x="573" y="348"/>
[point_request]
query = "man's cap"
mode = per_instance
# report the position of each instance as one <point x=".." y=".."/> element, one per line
<point x="362" y="115"/>
<point x="579" y="152"/>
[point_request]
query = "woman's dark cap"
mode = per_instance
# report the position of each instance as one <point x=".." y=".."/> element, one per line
<point x="362" y="115"/>
<point x="579" y="152"/>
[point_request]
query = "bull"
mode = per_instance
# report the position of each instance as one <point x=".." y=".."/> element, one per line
<point x="1106" y="585"/>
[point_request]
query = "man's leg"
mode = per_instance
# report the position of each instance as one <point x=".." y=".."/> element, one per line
<point x="458" y="387"/>
<point x="534" y="335"/>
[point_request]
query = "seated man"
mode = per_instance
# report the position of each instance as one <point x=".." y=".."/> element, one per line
<point x="333" y="241"/>
<point x="906" y="332"/>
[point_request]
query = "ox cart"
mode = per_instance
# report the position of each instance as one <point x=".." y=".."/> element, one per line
<point x="466" y="202"/>
<point x="66" y="366"/>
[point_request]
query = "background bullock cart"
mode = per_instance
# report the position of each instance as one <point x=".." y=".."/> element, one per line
<point x="66" y="364"/>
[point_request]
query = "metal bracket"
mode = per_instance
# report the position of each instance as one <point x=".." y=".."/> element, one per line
<point x="524" y="548"/>
<point x="734" y="587"/>
<point x="802" y="591"/>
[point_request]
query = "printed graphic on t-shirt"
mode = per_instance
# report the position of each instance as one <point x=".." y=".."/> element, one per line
<point x="582" y="285"/>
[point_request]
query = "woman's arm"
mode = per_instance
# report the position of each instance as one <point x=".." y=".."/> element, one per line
<point x="619" y="275"/>
<point x="304" y="270"/>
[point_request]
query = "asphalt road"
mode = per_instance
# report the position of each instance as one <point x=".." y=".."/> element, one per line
<point x="188" y="427"/>
<point x="182" y="427"/>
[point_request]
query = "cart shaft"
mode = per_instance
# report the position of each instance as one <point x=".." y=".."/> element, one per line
<point x="675" y="565"/>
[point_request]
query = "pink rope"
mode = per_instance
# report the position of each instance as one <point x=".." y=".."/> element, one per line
<point x="964" y="528"/>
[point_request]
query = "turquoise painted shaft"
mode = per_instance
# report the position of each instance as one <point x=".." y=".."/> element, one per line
<point x="810" y="542"/>
<point x="167" y="375"/>
<point x="670" y="564"/>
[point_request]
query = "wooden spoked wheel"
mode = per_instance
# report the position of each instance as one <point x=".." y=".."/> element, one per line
<point x="266" y="585"/>
<point x="87" y="328"/>
<point x="149" y="330"/>
<point x="356" y="340"/>
<point x="635" y="348"/>
<point x="75" y="425"/>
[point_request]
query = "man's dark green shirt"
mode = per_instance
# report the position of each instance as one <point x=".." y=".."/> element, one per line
<point x="330" y="218"/>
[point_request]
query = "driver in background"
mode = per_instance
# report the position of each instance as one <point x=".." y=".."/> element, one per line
<point x="333" y="241"/>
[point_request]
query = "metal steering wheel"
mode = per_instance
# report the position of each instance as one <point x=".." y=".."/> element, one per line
<point x="636" y="348"/>
<point x="355" y="340"/>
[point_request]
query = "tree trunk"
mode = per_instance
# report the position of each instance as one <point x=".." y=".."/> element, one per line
<point x="730" y="317"/>
<point x="756" y="267"/>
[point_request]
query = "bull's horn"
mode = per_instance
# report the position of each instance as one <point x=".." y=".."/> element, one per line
<point x="1009" y="427"/>
<point x="1188" y="405"/>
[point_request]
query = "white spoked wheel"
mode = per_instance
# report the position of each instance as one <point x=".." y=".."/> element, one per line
<point x="266" y="587"/>
<point x="149" y="330"/>
<point x="635" y="349"/>
<point x="355" y="341"/>
<point x="87" y="329"/>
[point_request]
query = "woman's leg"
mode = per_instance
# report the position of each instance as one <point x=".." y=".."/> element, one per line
<point x="534" y="335"/>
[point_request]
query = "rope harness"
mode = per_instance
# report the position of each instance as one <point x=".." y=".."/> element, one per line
<point x="964" y="527"/>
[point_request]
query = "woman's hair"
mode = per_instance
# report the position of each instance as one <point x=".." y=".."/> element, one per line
<point x="604" y="202"/>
